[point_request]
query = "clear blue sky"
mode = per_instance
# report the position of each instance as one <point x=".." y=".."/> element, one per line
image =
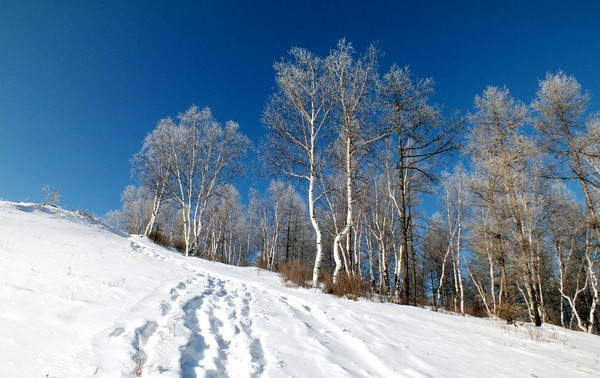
<point x="83" y="82"/>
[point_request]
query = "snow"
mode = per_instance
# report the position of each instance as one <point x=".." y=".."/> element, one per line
<point x="79" y="300"/>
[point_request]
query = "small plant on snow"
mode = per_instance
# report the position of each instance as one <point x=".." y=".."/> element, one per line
<point x="51" y="195"/>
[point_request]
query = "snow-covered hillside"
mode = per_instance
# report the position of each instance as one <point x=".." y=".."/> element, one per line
<point x="80" y="300"/>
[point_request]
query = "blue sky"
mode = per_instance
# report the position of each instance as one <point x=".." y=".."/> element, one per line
<point x="82" y="82"/>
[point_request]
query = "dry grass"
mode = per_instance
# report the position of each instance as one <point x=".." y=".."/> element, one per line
<point x="295" y="274"/>
<point x="351" y="287"/>
<point x="510" y="312"/>
<point x="158" y="237"/>
<point x="139" y="366"/>
<point x="85" y="214"/>
<point x="179" y="244"/>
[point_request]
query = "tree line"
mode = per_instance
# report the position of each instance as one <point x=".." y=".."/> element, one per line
<point x="360" y="158"/>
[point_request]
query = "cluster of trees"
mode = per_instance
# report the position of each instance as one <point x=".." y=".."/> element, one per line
<point x="357" y="151"/>
<point x="184" y="169"/>
<point x="532" y="244"/>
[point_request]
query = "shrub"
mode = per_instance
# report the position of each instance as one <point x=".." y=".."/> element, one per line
<point x="510" y="312"/>
<point x="351" y="287"/>
<point x="179" y="244"/>
<point x="158" y="237"/>
<point x="260" y="262"/>
<point x="243" y="262"/>
<point x="295" y="274"/>
<point x="85" y="214"/>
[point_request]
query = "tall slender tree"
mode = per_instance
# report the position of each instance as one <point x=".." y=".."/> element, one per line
<point x="296" y="117"/>
<point x="561" y="106"/>
<point x="353" y="83"/>
<point x="422" y="136"/>
<point x="499" y="148"/>
<point x="152" y="167"/>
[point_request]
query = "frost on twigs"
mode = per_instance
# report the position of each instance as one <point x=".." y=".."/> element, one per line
<point x="51" y="195"/>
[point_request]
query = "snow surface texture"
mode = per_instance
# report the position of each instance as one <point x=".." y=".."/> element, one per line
<point x="80" y="300"/>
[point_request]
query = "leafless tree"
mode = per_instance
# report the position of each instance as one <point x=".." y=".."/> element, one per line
<point x="152" y="166"/>
<point x="203" y="155"/>
<point x="353" y="83"/>
<point x="561" y="105"/>
<point x="422" y="136"/>
<point x="499" y="148"/>
<point x="295" y="118"/>
<point x="51" y="195"/>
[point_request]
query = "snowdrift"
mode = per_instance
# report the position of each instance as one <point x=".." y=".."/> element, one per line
<point x="80" y="300"/>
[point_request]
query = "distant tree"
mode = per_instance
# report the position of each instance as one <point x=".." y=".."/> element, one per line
<point x="453" y="197"/>
<point x="152" y="165"/>
<point x="136" y="208"/>
<point x="223" y="236"/>
<point x="487" y="243"/>
<point x="277" y="216"/>
<point x="115" y="219"/>
<point x="381" y="223"/>
<point x="51" y="195"/>
<point x="203" y="155"/>
<point x="436" y="248"/>
<point x="567" y="234"/>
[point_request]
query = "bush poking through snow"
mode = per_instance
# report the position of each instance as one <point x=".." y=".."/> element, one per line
<point x="295" y="274"/>
<point x="509" y="312"/>
<point x="160" y="238"/>
<point x="351" y="287"/>
<point x="139" y="366"/>
<point x="84" y="214"/>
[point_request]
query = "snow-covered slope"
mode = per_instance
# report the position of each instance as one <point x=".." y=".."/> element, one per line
<point x="80" y="300"/>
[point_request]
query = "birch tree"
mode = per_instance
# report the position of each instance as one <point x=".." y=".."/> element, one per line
<point x="295" y="118"/>
<point x="499" y="147"/>
<point x="203" y="155"/>
<point x="353" y="82"/>
<point x="454" y="192"/>
<point x="561" y="106"/>
<point x="152" y="165"/>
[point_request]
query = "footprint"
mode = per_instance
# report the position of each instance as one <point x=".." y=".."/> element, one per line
<point x="117" y="332"/>
<point x="164" y="308"/>
<point x="193" y="352"/>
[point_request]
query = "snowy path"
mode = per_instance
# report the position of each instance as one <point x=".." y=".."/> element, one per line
<point x="203" y="329"/>
<point x="213" y="316"/>
<point x="79" y="300"/>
